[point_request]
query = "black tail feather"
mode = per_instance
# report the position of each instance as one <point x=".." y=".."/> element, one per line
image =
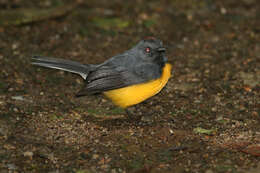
<point x="62" y="64"/>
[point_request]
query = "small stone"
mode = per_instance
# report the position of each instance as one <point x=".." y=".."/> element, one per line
<point x="11" y="166"/>
<point x="209" y="171"/>
<point x="15" y="110"/>
<point x="104" y="166"/>
<point x="1" y="103"/>
<point x="190" y="17"/>
<point x="14" y="46"/>
<point x="28" y="154"/>
<point x="254" y="113"/>
<point x="197" y="101"/>
<point x="11" y="89"/>
<point x="170" y="95"/>
<point x="95" y="156"/>
<point x="223" y="10"/>
<point x="214" y="109"/>
<point x="113" y="171"/>
<point x="9" y="147"/>
<point x="185" y="39"/>
<point x="220" y="118"/>
<point x="18" y="98"/>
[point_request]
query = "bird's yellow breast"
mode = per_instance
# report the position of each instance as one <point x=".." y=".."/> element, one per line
<point x="131" y="95"/>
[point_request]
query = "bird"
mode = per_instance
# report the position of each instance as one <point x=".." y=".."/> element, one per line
<point x="126" y="79"/>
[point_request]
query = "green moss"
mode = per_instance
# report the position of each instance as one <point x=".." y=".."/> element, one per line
<point x="108" y="23"/>
<point x="200" y="130"/>
<point x="225" y="168"/>
<point x="149" y="23"/>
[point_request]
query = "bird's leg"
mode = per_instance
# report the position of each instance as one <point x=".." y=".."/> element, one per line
<point x="141" y="114"/>
<point x="132" y="113"/>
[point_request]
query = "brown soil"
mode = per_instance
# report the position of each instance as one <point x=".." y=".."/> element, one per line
<point x="206" y="119"/>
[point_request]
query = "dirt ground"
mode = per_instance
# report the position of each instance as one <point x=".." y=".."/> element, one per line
<point x="206" y="120"/>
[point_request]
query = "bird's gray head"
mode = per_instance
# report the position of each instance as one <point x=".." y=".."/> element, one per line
<point x="151" y="50"/>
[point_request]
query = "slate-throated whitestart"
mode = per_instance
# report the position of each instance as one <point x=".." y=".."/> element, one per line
<point x="127" y="79"/>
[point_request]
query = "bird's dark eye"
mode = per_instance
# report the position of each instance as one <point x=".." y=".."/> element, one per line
<point x="148" y="50"/>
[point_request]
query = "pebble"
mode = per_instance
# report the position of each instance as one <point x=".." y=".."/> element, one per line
<point x="15" y="110"/>
<point x="95" y="156"/>
<point x="4" y="129"/>
<point x="28" y="154"/>
<point x="214" y="109"/>
<point x="209" y="171"/>
<point x="104" y="166"/>
<point x="18" y="98"/>
<point x="11" y="89"/>
<point x="223" y="10"/>
<point x="113" y="171"/>
<point x="1" y="103"/>
<point x="14" y="46"/>
<point x="11" y="166"/>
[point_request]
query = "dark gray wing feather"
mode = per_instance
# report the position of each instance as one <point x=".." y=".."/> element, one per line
<point x="107" y="78"/>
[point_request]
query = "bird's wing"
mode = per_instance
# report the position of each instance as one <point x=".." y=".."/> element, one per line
<point x="108" y="78"/>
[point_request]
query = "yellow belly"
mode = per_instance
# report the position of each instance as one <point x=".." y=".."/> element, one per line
<point x="131" y="95"/>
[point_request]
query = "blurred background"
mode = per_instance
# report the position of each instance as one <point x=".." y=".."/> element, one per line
<point x="205" y="120"/>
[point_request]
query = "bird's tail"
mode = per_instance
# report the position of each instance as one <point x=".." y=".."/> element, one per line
<point x="62" y="64"/>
